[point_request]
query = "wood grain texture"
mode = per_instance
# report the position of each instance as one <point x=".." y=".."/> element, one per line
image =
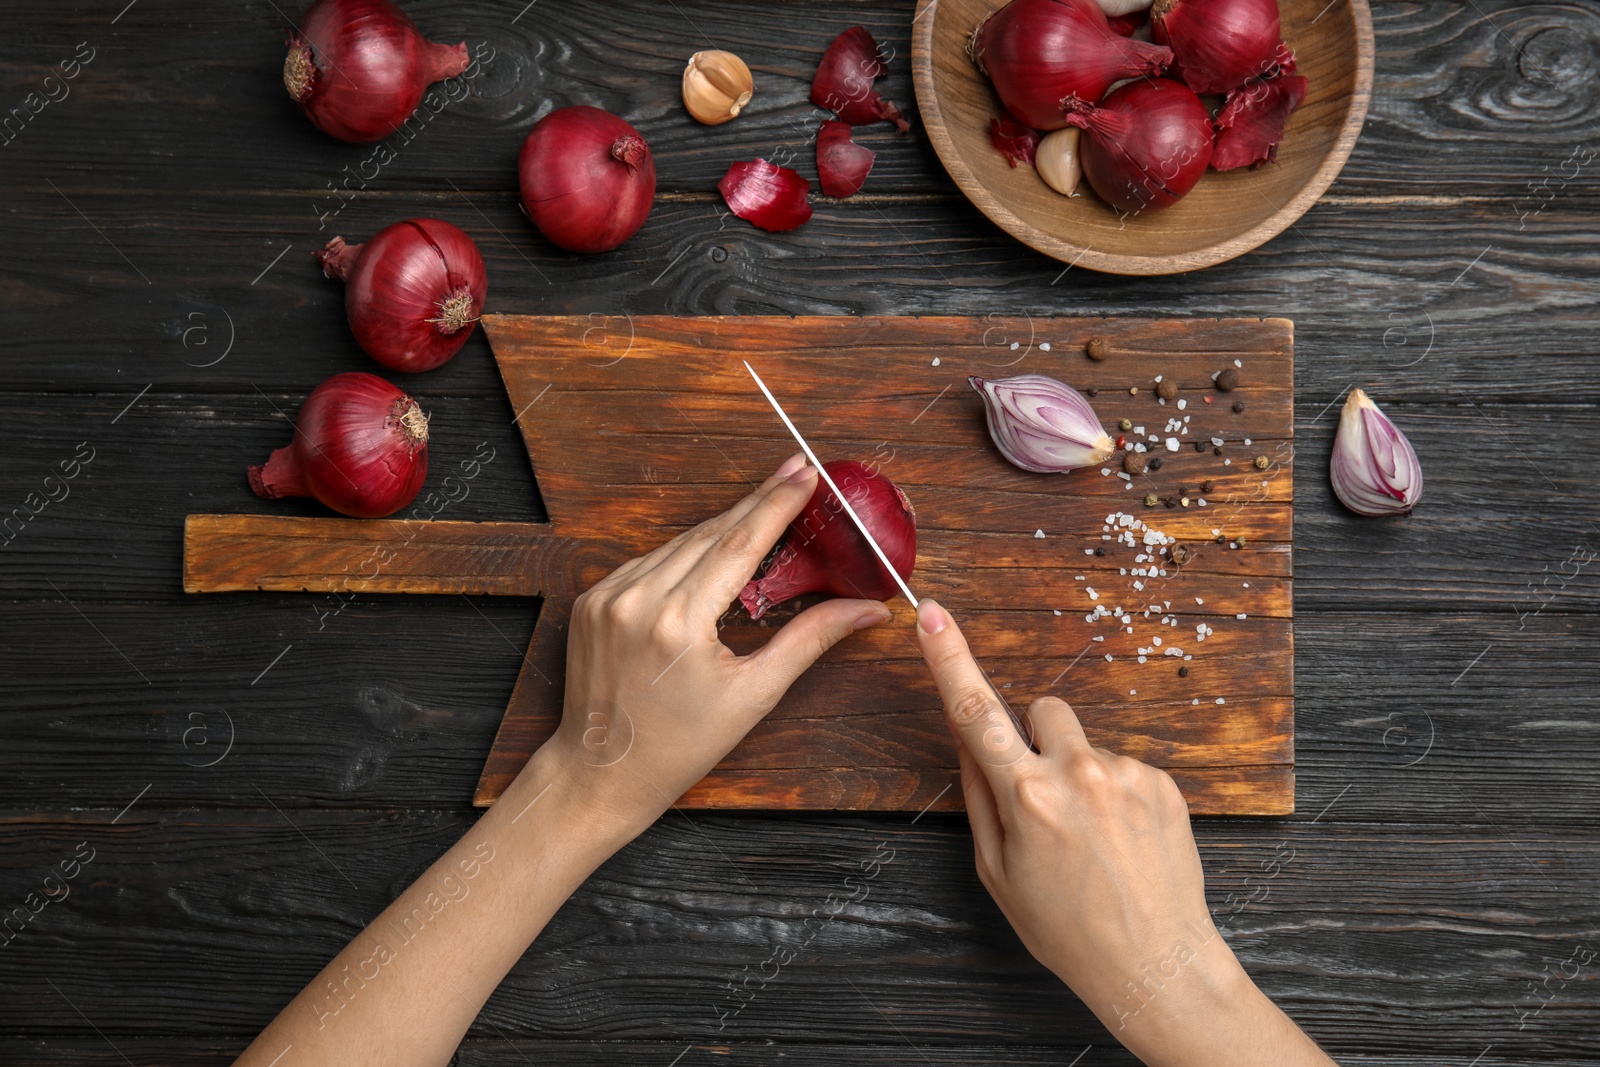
<point x="1225" y="215"/>
<point x="1450" y="270"/>
<point x="879" y="390"/>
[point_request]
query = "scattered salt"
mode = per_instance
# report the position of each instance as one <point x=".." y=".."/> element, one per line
<point x="1247" y="440"/>
<point x="1241" y="615"/>
<point x="1238" y="364"/>
<point x="935" y="361"/>
<point x="1172" y="444"/>
<point x="1197" y="600"/>
<point x="1182" y="404"/>
<point x="1217" y="441"/>
<point x="1105" y="470"/>
<point x="1038" y="535"/>
<point x="1220" y="700"/>
<point x="1092" y="594"/>
<point x="1058" y="613"/>
<point x="1045" y="347"/>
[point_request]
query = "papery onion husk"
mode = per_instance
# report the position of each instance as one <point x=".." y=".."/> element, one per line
<point x="842" y="165"/>
<point x="358" y="68"/>
<point x="1374" y="469"/>
<point x="1041" y="424"/>
<point x="1146" y="145"/>
<point x="1014" y="140"/>
<point x="1251" y="123"/>
<point x="360" y="447"/>
<point x="823" y="552"/>
<point x="766" y="195"/>
<point x="414" y="292"/>
<point x="1040" y="52"/>
<point x="843" y="82"/>
<point x="1218" y="45"/>
<point x="587" y="177"/>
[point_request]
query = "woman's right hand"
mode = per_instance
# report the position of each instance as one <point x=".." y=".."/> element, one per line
<point x="1090" y="856"/>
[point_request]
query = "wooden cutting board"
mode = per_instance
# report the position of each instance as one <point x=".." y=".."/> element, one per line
<point x="640" y="427"/>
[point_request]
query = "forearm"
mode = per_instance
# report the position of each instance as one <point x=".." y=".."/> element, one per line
<point x="1207" y="1013"/>
<point x="406" y="989"/>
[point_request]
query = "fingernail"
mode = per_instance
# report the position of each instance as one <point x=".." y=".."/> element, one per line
<point x="790" y="465"/>
<point x="804" y="474"/>
<point x="931" y="618"/>
<point x="871" y="618"/>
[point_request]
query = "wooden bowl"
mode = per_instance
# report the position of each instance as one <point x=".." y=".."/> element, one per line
<point x="1227" y="214"/>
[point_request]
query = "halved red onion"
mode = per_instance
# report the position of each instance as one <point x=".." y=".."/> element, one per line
<point x="766" y="195"/>
<point x="1042" y="425"/>
<point x="1016" y="142"/>
<point x="843" y="82"/>
<point x="1250" y="125"/>
<point x="842" y="165"/>
<point x="1374" y="469"/>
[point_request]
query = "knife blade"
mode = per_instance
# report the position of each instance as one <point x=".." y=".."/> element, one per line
<point x="794" y="431"/>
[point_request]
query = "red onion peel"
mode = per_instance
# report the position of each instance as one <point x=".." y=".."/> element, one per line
<point x="1251" y="123"/>
<point x="842" y="165"/>
<point x="766" y="195"/>
<point x="823" y="552"/>
<point x="1146" y="145"/>
<point x="360" y="447"/>
<point x="843" y="82"/>
<point x="358" y="68"/>
<point x="414" y="291"/>
<point x="588" y="179"/>
<point x="1038" y="53"/>
<point x="1018" y="143"/>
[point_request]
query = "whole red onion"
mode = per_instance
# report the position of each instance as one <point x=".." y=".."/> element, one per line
<point x="1146" y="146"/>
<point x="588" y="179"/>
<point x="358" y="68"/>
<point x="360" y="446"/>
<point x="1040" y="52"/>
<point x="823" y="552"/>
<point x="415" y="291"/>
<point x="1218" y="45"/>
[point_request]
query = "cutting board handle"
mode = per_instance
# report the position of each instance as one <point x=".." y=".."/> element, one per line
<point x="228" y="553"/>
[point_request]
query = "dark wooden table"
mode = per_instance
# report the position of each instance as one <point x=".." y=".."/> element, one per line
<point x="203" y="798"/>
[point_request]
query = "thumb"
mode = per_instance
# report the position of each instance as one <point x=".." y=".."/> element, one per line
<point x="808" y="635"/>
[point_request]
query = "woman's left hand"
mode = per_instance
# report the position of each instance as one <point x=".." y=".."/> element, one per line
<point x="654" y="700"/>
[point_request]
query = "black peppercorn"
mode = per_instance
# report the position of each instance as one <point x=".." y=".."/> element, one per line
<point x="1207" y="485"/>
<point x="1238" y="406"/>
<point x="1183" y="672"/>
<point x="1216" y="450"/>
<point x="1155" y="464"/>
<point x="1199" y="446"/>
<point x="1100" y="551"/>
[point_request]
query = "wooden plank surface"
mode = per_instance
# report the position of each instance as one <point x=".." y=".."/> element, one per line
<point x="1451" y="271"/>
<point x="650" y="424"/>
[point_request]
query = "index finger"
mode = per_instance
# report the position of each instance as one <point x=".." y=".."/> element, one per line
<point x="731" y="559"/>
<point x="979" y="717"/>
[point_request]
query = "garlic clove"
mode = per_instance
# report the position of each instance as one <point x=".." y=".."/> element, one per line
<point x="1043" y="425"/>
<point x="1056" y="160"/>
<point x="716" y="86"/>
<point x="1374" y="469"/>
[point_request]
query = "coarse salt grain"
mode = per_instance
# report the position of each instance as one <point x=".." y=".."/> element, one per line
<point x="1241" y="615"/>
<point x="1092" y="594"/>
<point x="1247" y="440"/>
<point x="1172" y="444"/>
<point x="1217" y="441"/>
<point x="1038" y="535"/>
<point x="935" y="361"/>
<point x="1105" y="471"/>
<point x="1141" y="659"/>
<point x="1197" y="600"/>
<point x="1238" y="364"/>
<point x="1058" y="613"/>
<point x="1220" y="700"/>
<point x="1045" y="347"/>
<point x="1108" y="657"/>
<point x="1182" y="404"/>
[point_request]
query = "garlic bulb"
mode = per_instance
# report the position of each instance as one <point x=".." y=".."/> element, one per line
<point x="1374" y="469"/>
<point x="1056" y="160"/>
<point x="1043" y="425"/>
<point x="716" y="86"/>
<point x="1113" y="8"/>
